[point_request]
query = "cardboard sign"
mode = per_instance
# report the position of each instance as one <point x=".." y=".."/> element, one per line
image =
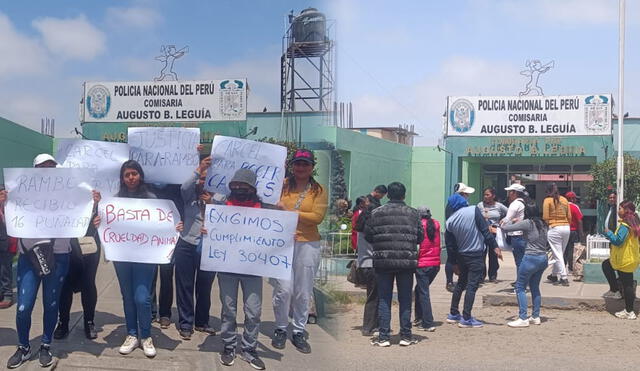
<point x="247" y="240"/>
<point x="138" y="230"/>
<point x="48" y="202"/>
<point x="267" y="160"/>
<point x="101" y="159"/>
<point x="167" y="154"/>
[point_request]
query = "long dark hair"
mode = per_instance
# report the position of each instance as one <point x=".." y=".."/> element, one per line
<point x="552" y="191"/>
<point x="532" y="212"/>
<point x="431" y="226"/>
<point x="142" y="187"/>
<point x="290" y="185"/>
<point x="359" y="201"/>
<point x="631" y="217"/>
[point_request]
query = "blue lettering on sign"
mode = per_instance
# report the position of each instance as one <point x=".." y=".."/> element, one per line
<point x="217" y="254"/>
<point x="263" y="258"/>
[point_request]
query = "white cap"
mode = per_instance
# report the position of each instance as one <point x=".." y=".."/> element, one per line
<point x="463" y="188"/>
<point x="42" y="158"/>
<point x="515" y="187"/>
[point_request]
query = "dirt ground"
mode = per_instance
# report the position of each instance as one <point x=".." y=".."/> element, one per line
<point x="566" y="340"/>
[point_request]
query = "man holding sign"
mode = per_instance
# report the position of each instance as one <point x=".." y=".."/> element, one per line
<point x="241" y="240"/>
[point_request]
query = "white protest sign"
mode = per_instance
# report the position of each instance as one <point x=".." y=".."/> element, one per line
<point x="48" y="202"/>
<point x="101" y="159"/>
<point x="248" y="240"/>
<point x="138" y="230"/>
<point x="166" y="154"/>
<point x="267" y="160"/>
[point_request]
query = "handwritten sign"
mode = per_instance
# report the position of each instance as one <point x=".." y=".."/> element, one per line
<point x="267" y="160"/>
<point x="167" y="155"/>
<point x="247" y="240"/>
<point x="138" y="230"/>
<point x="101" y="159"/>
<point x="48" y="202"/>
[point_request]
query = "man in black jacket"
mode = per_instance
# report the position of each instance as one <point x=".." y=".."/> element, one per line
<point x="394" y="230"/>
<point x="376" y="195"/>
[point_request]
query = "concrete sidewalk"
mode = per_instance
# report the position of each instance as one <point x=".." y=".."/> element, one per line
<point x="577" y="296"/>
<point x="200" y="353"/>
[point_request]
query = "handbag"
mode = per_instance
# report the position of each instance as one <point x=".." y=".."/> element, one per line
<point x="88" y="245"/>
<point x="502" y="240"/>
<point x="352" y="276"/>
<point x="41" y="257"/>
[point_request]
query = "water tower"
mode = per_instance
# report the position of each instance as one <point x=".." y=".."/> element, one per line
<point x="307" y="65"/>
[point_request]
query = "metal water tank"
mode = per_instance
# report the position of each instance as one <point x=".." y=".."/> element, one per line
<point x="310" y="25"/>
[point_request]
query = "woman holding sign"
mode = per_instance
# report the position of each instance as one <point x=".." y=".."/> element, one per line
<point x="302" y="194"/>
<point x="135" y="278"/>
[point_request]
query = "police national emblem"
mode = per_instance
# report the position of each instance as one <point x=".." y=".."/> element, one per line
<point x="98" y="101"/>
<point x="596" y="113"/>
<point x="461" y="115"/>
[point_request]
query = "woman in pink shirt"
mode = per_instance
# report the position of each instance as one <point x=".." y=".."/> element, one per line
<point x="428" y="268"/>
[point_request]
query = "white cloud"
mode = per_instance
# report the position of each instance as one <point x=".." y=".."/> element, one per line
<point x="571" y="12"/>
<point x="73" y="38"/>
<point x="19" y="54"/>
<point x="135" y="17"/>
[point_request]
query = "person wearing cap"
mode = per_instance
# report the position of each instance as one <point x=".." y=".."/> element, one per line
<point x="301" y="193"/>
<point x="189" y="277"/>
<point x="515" y="213"/>
<point x="493" y="211"/>
<point x="576" y="230"/>
<point x="466" y="237"/>
<point x="243" y="193"/>
<point x="454" y="202"/>
<point x="428" y="268"/>
<point x="556" y="213"/>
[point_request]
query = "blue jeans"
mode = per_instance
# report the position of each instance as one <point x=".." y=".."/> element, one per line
<point x="135" y="286"/>
<point x="471" y="271"/>
<point x="28" y="283"/>
<point x="518" y="244"/>
<point x="424" y="277"/>
<point x="404" y="283"/>
<point x="530" y="273"/>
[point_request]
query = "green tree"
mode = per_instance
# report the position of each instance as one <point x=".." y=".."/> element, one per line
<point x="604" y="179"/>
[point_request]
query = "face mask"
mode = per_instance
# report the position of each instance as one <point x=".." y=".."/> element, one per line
<point x="241" y="195"/>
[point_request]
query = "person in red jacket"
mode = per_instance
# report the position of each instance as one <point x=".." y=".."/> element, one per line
<point x="361" y="205"/>
<point x="428" y="268"/>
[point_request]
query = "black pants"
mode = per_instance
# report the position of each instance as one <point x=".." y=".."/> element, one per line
<point x="190" y="278"/>
<point x="6" y="275"/>
<point x="80" y="277"/>
<point x="448" y="271"/>
<point x="370" y="317"/>
<point x="493" y="266"/>
<point x="628" y="287"/>
<point x="471" y="270"/>
<point x="166" y="292"/>
<point x="574" y="237"/>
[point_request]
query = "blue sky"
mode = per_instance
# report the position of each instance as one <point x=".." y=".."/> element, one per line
<point x="397" y="61"/>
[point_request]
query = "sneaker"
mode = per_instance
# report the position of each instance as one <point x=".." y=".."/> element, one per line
<point x="551" y="278"/>
<point x="612" y="295"/>
<point x="21" y="355"/>
<point x="90" y="330"/>
<point x="417" y="322"/>
<point x="165" y="322"/>
<point x="519" y="323"/>
<point x="561" y="282"/>
<point x="623" y="314"/>
<point x="227" y="357"/>
<point x="252" y="357"/>
<point x="44" y="356"/>
<point x="427" y="329"/>
<point x="148" y="348"/>
<point x="185" y="334"/>
<point x="300" y="343"/>
<point x="451" y="286"/>
<point x="62" y="331"/>
<point x="130" y="344"/>
<point x="471" y="322"/>
<point x="453" y="318"/>
<point x="534" y="320"/>
<point x="513" y="284"/>
<point x="6" y="303"/>
<point x="206" y="329"/>
<point x="493" y="280"/>
<point x="279" y="339"/>
<point x="405" y="342"/>
<point x="377" y="342"/>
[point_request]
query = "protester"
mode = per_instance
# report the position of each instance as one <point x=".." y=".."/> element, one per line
<point x="189" y="276"/>
<point x="135" y="279"/>
<point x="466" y="235"/>
<point x="532" y="266"/>
<point x="362" y="203"/>
<point x="243" y="193"/>
<point x="6" y="257"/>
<point x="493" y="211"/>
<point x="611" y="221"/>
<point x="394" y="230"/>
<point x="377" y="195"/>
<point x="556" y="213"/>
<point x="624" y="259"/>
<point x="428" y="268"/>
<point x="303" y="194"/>
<point x="576" y="230"/>
<point x="516" y="196"/>
<point x="460" y="195"/>
<point x="28" y="282"/>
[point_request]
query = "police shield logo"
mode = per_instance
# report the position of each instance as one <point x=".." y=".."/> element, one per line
<point x="461" y="115"/>
<point x="98" y="101"/>
<point x="596" y="113"/>
<point x="232" y="98"/>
